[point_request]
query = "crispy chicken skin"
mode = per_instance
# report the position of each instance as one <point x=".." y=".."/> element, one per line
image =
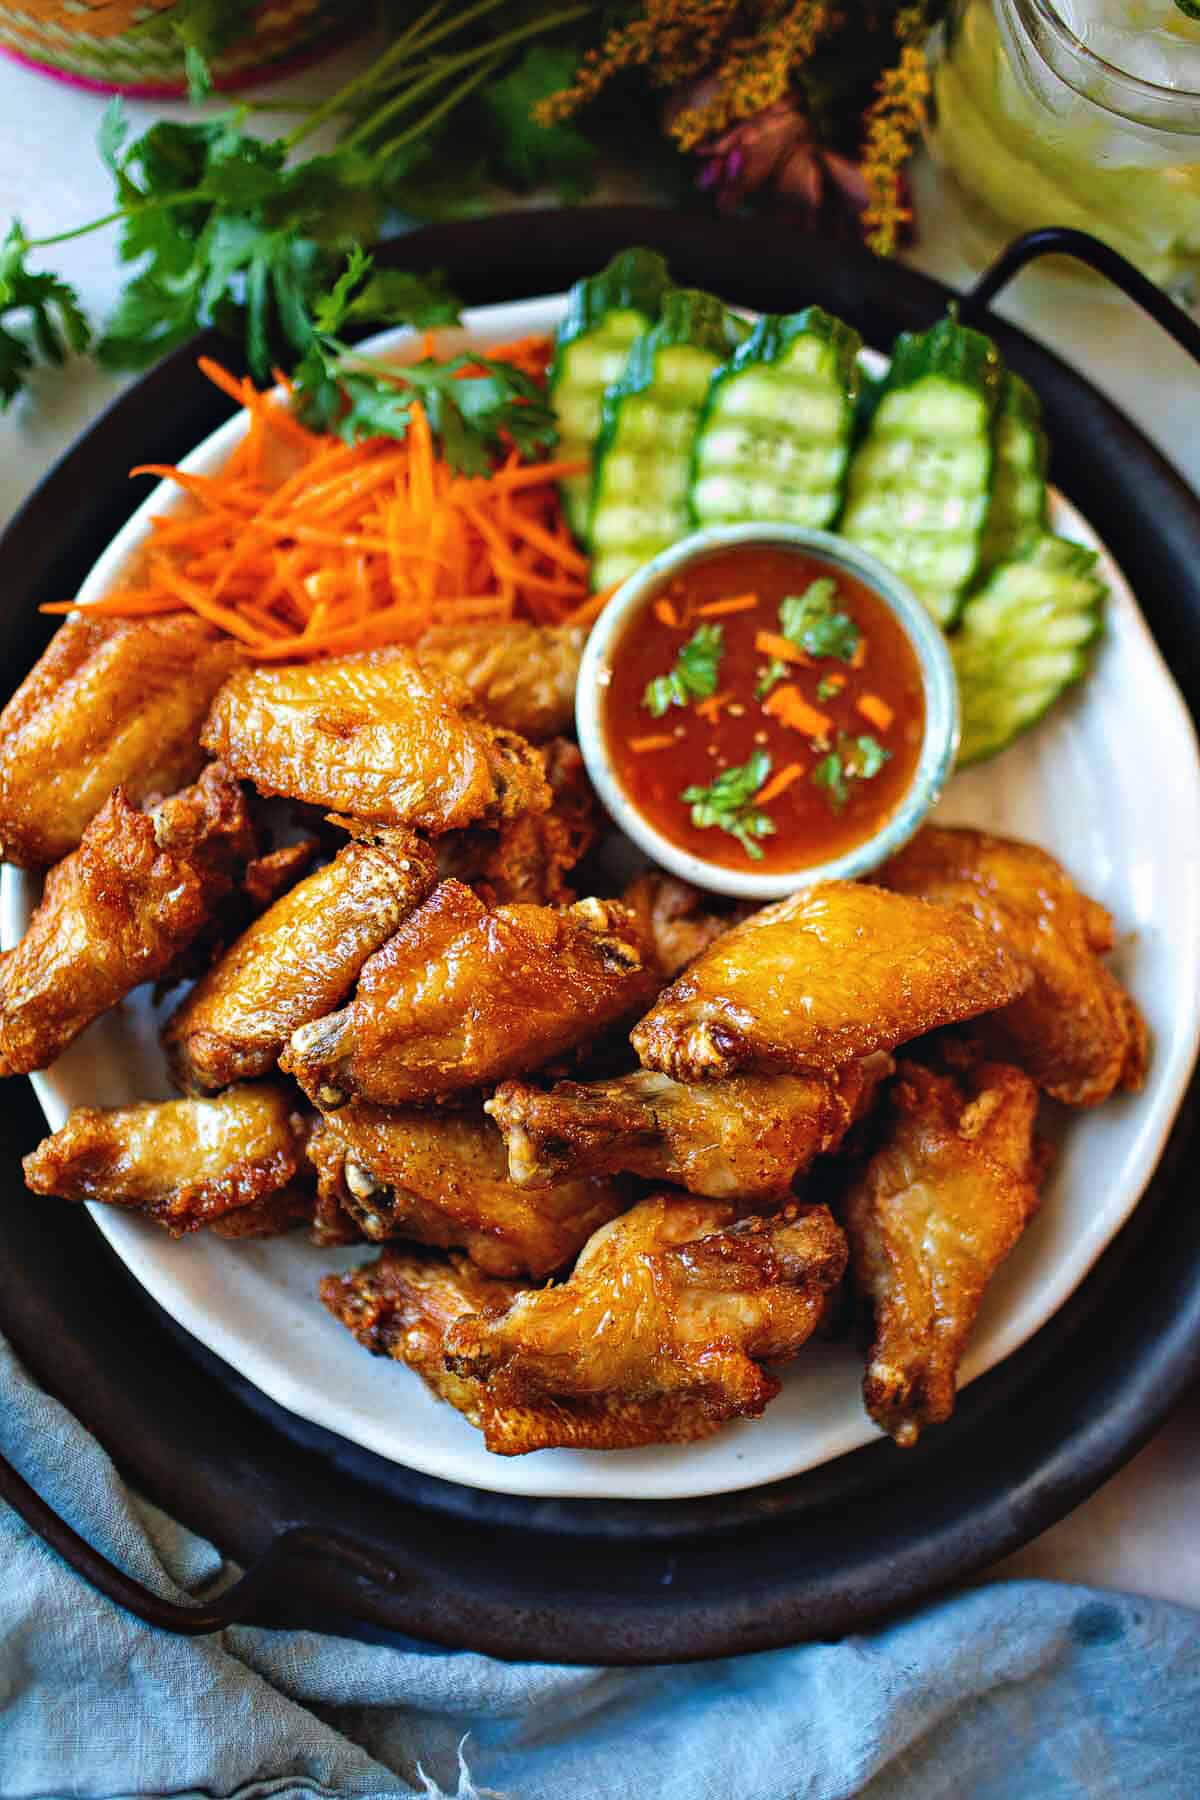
<point x="1075" y="1029"/>
<point x="375" y="736"/>
<point x="524" y="861"/>
<point x="934" y="1213"/>
<point x="442" y="1178"/>
<point x="521" y="676"/>
<point x="112" y="703"/>
<point x="464" y="995"/>
<point x="297" y="961"/>
<point x="659" y="1334"/>
<point x="830" y="973"/>
<point x="745" y="1138"/>
<point x="186" y="1163"/>
<point x="678" y="918"/>
<point x="119" y="911"/>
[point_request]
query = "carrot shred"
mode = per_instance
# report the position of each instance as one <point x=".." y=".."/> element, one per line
<point x="788" y="705"/>
<point x="665" y="613"/>
<point x="835" y="682"/>
<point x="875" y="710"/>
<point x="657" y="740"/>
<point x="770" y="643"/>
<point x="710" y="710"/>
<point x="858" y="660"/>
<point x="779" y="784"/>
<point x="716" y="609"/>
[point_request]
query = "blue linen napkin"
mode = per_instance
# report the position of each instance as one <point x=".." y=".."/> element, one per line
<point x="1019" y="1691"/>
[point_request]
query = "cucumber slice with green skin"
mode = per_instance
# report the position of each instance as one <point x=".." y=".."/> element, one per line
<point x="605" y="316"/>
<point x="641" y="468"/>
<point x="1018" y="511"/>
<point x="1025" y="637"/>
<point x="773" y="440"/>
<point x="918" y="486"/>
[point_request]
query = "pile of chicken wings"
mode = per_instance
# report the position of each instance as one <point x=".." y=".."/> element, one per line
<point x="624" y="1152"/>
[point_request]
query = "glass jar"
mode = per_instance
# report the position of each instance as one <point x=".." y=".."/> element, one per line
<point x="1074" y="112"/>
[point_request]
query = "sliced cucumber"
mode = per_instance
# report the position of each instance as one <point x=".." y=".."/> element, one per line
<point x="605" y="316"/>
<point x="918" y="486"/>
<point x="773" y="440"/>
<point x="1017" y="513"/>
<point x="1024" y="637"/>
<point x="643" y="457"/>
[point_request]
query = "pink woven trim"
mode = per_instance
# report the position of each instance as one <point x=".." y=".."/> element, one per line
<point x="268" y="71"/>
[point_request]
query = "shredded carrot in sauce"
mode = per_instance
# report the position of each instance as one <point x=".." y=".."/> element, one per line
<point x="665" y="613"/>
<point x="859" y="659"/>
<point x="303" y="545"/>
<point x="770" y="643"/>
<point x="715" y="609"/>
<point x="778" y="784"/>
<point x="657" y="740"/>
<point x="875" y="710"/>
<point x="712" y="708"/>
<point x="788" y="705"/>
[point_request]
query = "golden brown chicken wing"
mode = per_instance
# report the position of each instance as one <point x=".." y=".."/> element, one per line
<point x="376" y="737"/>
<point x="112" y="703"/>
<point x="934" y="1213"/>
<point x="296" y="962"/>
<point x="680" y="920"/>
<point x="831" y="973"/>
<point x="660" y="1333"/>
<point x="746" y="1138"/>
<point x="186" y="1163"/>
<point x="1075" y="1029"/>
<point x="521" y="676"/>
<point x="119" y="911"/>
<point x="464" y="995"/>
<point x="524" y="861"/>
<point x="442" y="1178"/>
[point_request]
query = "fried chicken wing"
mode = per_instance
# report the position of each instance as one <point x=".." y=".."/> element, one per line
<point x="1075" y="1029"/>
<point x="934" y="1213"/>
<point x="377" y="737"/>
<point x="830" y="973"/>
<point x="112" y="703"/>
<point x="679" y="919"/>
<point x="119" y="911"/>
<point x="185" y="1163"/>
<point x="442" y="1178"/>
<point x="521" y="676"/>
<point x="297" y="961"/>
<point x="746" y="1138"/>
<point x="524" y="861"/>
<point x="660" y="1333"/>
<point x="464" y="995"/>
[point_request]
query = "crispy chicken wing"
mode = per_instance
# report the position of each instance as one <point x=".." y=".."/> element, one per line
<point x="464" y="995"/>
<point x="186" y="1163"/>
<point x="828" y="974"/>
<point x="523" y="861"/>
<point x="934" y="1213"/>
<point x="745" y="1138"/>
<point x="442" y="1178"/>
<point x="678" y="918"/>
<point x="375" y="736"/>
<point x="522" y="676"/>
<point x="660" y="1333"/>
<point x="112" y="703"/>
<point x="297" y="961"/>
<point x="1075" y="1029"/>
<point x="119" y="911"/>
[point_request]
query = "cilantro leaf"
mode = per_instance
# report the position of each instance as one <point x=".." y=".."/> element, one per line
<point x="853" y="759"/>
<point x="727" y="804"/>
<point x="871" y="758"/>
<point x="830" y="774"/>
<point x="694" y="676"/>
<point x="810" y="621"/>
<point x="55" y="322"/>
<point x="534" y="154"/>
<point x="828" y="686"/>
<point x="774" y="671"/>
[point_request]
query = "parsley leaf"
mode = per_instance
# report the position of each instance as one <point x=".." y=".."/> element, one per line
<point x="727" y="804"/>
<point x="853" y="759"/>
<point x="809" y="621"/>
<point x="55" y="321"/>
<point x="694" y="676"/>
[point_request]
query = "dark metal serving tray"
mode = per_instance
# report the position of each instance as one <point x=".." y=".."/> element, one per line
<point x="377" y="1546"/>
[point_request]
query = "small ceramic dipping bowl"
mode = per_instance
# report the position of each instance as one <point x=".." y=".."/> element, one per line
<point x="761" y="707"/>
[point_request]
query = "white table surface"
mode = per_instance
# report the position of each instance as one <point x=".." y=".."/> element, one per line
<point x="1141" y="1531"/>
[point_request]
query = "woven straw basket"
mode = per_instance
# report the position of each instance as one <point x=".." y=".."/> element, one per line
<point x="129" y="45"/>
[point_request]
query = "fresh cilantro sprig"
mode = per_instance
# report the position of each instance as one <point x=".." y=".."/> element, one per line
<point x="852" y="759"/>
<point x="727" y="804"/>
<point x="694" y="676"/>
<point x="812" y="622"/>
<point x="47" y="309"/>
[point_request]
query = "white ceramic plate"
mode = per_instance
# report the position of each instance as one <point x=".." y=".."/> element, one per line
<point x="1110" y="783"/>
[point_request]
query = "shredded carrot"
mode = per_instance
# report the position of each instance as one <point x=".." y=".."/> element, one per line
<point x="876" y="710"/>
<point x="665" y="613"/>
<point x="835" y="682"/>
<point x="590" y="609"/>
<point x="302" y="545"/>
<point x="858" y="660"/>
<point x="788" y="705"/>
<point x="769" y="643"/>
<point x="715" y="609"/>
<point x="712" y="708"/>
<point x="779" y="784"/>
<point x="657" y="740"/>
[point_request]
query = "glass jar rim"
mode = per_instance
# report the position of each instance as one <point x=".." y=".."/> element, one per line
<point x="1132" y="96"/>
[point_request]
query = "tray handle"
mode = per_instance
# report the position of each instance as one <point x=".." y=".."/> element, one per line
<point x="1060" y="240"/>
<point x="236" y="1606"/>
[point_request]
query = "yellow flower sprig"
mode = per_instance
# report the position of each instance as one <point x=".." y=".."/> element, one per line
<point x="893" y="122"/>
<point x="757" y="71"/>
<point x="674" y="40"/>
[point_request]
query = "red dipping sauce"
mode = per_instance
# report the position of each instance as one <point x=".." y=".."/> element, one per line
<point x="784" y="681"/>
